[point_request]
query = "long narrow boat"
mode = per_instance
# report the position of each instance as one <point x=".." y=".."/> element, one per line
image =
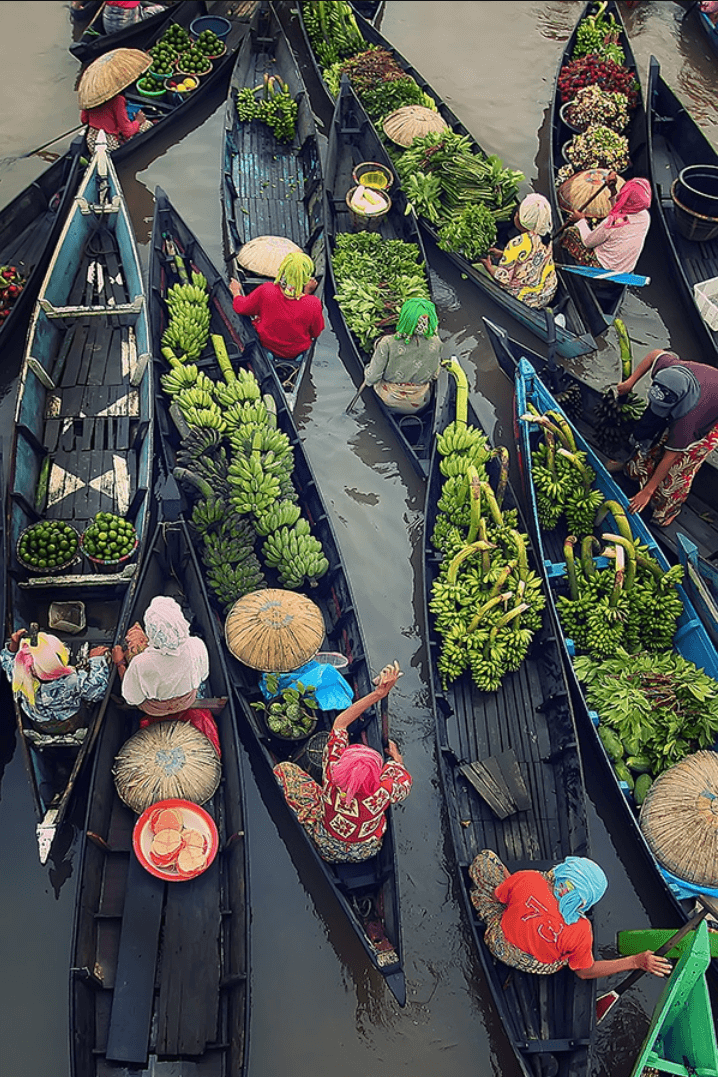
<point x="573" y="336"/>
<point x="524" y="730"/>
<point x="598" y="301"/>
<point x="368" y="892"/>
<point x="29" y="227"/>
<point x="94" y="41"/>
<point x="160" y="969"/>
<point x="700" y="580"/>
<point x="691" y="640"/>
<point x="353" y="141"/>
<point x="272" y="187"/>
<point x="83" y="443"/>
<point x="675" y="141"/>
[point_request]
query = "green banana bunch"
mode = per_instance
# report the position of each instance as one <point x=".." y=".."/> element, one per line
<point x="232" y="582"/>
<point x="208" y="514"/>
<point x="244" y="387"/>
<point x="254" y="490"/>
<point x="296" y="555"/>
<point x="283" y="514"/>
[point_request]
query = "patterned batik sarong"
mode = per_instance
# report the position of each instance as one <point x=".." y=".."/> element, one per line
<point x="671" y="494"/>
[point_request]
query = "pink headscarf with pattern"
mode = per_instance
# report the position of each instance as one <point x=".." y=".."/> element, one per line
<point x="634" y="196"/>
<point x="357" y="771"/>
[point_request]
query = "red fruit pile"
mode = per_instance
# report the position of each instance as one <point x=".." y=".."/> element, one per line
<point x="593" y="71"/>
<point x="11" y="284"/>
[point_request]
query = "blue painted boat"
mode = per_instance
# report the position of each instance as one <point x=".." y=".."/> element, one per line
<point x="701" y="583"/>
<point x="691" y="640"/>
<point x="83" y="443"/>
<point x="271" y="187"/>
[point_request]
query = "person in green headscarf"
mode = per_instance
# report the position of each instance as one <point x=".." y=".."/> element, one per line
<point x="286" y="314"/>
<point x="405" y="363"/>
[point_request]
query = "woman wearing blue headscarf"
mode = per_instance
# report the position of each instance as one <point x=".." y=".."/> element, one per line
<point x="535" y="920"/>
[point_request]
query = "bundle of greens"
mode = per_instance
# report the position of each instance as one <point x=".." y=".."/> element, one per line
<point x="598" y="35"/>
<point x="470" y="233"/>
<point x="379" y="82"/>
<point x="332" y="29"/>
<point x="374" y="277"/>
<point x="442" y="176"/>
<point x="654" y="710"/>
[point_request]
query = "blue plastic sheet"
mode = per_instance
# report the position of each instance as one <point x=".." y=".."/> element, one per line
<point x="332" y="691"/>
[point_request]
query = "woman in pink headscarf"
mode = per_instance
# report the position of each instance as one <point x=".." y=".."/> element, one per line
<point x="617" y="241"/>
<point x="346" y="815"/>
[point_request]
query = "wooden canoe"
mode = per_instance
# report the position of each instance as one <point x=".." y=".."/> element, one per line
<point x="675" y="141"/>
<point x="548" y="1019"/>
<point x="368" y="893"/>
<point x="701" y="582"/>
<point x="85" y="408"/>
<point x="573" y="337"/>
<point x="94" y="41"/>
<point x="29" y="228"/>
<point x="691" y="640"/>
<point x="160" y="970"/>
<point x="272" y="188"/>
<point x="353" y="140"/>
<point x="598" y="301"/>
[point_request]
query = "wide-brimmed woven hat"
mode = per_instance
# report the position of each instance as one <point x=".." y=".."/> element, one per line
<point x="679" y="819"/>
<point x="577" y="189"/>
<point x="412" y="121"/>
<point x="274" y="630"/>
<point x="110" y="74"/>
<point x="166" y="760"/>
<point x="265" y="254"/>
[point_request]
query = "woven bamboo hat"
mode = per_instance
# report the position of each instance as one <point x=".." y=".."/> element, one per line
<point x="577" y="189"/>
<point x="274" y="630"/>
<point x="166" y="760"/>
<point x="265" y="254"/>
<point x="679" y="819"/>
<point x="110" y="74"/>
<point x="412" y="121"/>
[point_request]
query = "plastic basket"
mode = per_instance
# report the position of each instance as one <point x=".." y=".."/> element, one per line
<point x="216" y="23"/>
<point x="331" y="658"/>
<point x="705" y="294"/>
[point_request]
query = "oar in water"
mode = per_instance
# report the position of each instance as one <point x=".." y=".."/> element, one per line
<point x="38" y="149"/>
<point x="356" y="396"/>
<point x="606" y="1002"/>
<point x="597" y="273"/>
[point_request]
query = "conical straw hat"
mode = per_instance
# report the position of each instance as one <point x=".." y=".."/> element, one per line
<point x="111" y="73"/>
<point x="265" y="254"/>
<point x="274" y="630"/>
<point x="412" y="121"/>
<point x="164" y="761"/>
<point x="575" y="192"/>
<point x="679" y="819"/>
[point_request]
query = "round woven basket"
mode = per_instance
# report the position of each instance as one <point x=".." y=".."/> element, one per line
<point x="274" y="630"/>
<point x="166" y="760"/>
<point x="264" y="254"/>
<point x="679" y="819"/>
<point x="412" y="121"/>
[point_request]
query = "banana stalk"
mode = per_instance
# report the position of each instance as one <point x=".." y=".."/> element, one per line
<point x="475" y="491"/>
<point x="569" y="558"/>
<point x="502" y="455"/>
<point x="630" y="552"/>
<point x="462" y="389"/>
<point x="461" y="556"/>
<point x="223" y="360"/>
<point x="619" y="515"/>
<point x="589" y="546"/>
<point x="487" y="606"/>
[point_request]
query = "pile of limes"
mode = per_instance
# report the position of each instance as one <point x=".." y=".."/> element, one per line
<point x="109" y="537"/>
<point x="176" y="36"/>
<point x="163" y="58"/>
<point x="194" y="62"/>
<point x="151" y="84"/>
<point x="209" y="44"/>
<point x="48" y="546"/>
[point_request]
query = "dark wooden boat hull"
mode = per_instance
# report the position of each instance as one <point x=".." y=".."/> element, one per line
<point x="86" y="401"/>
<point x="375" y="880"/>
<point x="573" y="338"/>
<point x="352" y="141"/>
<point x="270" y="187"/>
<point x="94" y="41"/>
<point x="598" y="302"/>
<point x="675" y="141"/>
<point x="691" y="641"/>
<point x="29" y="229"/>
<point x="548" y="1019"/>
<point x="160" y="970"/>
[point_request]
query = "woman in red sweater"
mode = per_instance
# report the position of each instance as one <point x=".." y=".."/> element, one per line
<point x="287" y="316"/>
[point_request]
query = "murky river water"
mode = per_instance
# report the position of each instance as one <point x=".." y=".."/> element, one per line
<point x="316" y="1008"/>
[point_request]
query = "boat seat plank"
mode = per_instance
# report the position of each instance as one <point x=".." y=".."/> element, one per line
<point x="95" y="349"/>
<point x="77" y="334"/>
<point x="186" y="1019"/>
<point x="129" y="1031"/>
<point x="52" y="434"/>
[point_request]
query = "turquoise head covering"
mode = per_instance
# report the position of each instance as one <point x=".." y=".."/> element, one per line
<point x="411" y="311"/>
<point x="589" y="884"/>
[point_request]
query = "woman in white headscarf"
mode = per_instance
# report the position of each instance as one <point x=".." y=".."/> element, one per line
<point x="526" y="268"/>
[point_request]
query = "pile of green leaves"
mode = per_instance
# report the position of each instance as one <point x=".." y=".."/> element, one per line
<point x="374" y="277"/>
<point x="471" y="232"/>
<point x="332" y="29"/>
<point x="662" y="707"/>
<point x="379" y="82"/>
<point x="442" y="176"/>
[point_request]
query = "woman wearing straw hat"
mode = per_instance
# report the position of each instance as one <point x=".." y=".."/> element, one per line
<point x="102" y="105"/>
<point x="51" y="692"/>
<point x="346" y="815"/>
<point x="405" y="363"/>
<point x="287" y="315"/>
<point x="536" y="922"/>
<point x="617" y="241"/>
<point x="526" y="268"/>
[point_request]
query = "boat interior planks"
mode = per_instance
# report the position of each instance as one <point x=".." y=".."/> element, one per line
<point x="84" y="422"/>
<point x="353" y="141"/>
<point x="524" y="736"/>
<point x="160" y="968"/>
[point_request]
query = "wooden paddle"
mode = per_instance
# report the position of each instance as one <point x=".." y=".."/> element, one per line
<point x="384" y="712"/>
<point x="606" y="1002"/>
<point x="356" y="396"/>
<point x="584" y="207"/>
